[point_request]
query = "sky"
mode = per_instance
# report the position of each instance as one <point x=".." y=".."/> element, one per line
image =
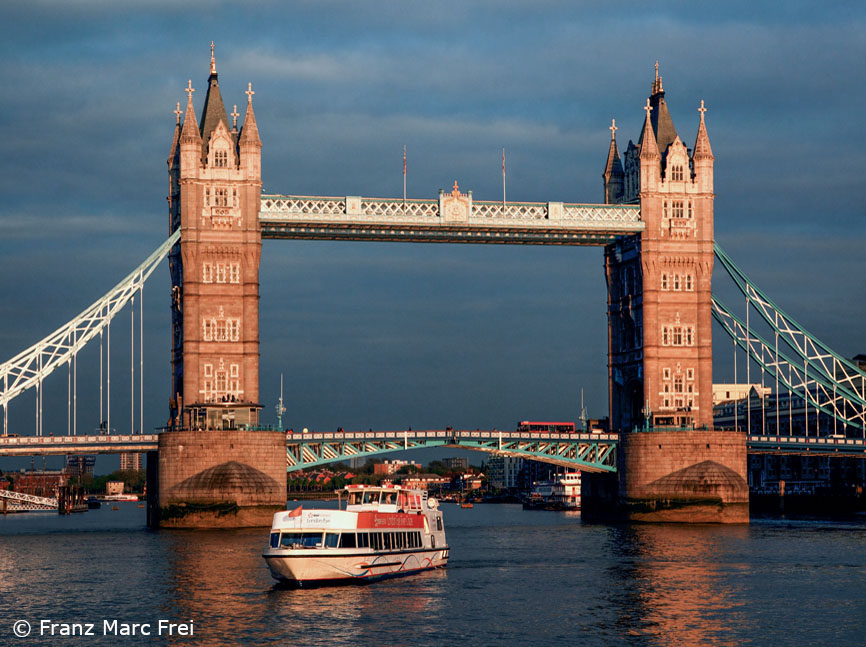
<point x="387" y="335"/>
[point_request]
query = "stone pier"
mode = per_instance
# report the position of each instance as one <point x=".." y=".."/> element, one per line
<point x="217" y="479"/>
<point x="673" y="476"/>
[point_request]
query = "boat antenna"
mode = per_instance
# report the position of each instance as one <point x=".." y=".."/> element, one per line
<point x="280" y="408"/>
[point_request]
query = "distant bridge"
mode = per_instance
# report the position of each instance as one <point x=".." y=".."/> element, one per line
<point x="585" y="452"/>
<point x="807" y="446"/>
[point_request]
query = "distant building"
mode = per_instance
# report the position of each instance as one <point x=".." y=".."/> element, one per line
<point x="78" y="465"/>
<point x="113" y="487"/>
<point x="392" y="467"/>
<point x="734" y="392"/>
<point x="130" y="461"/>
<point x="424" y="481"/>
<point x="470" y="482"/>
<point x="42" y="483"/>
<point x="504" y="472"/>
<point x="456" y="464"/>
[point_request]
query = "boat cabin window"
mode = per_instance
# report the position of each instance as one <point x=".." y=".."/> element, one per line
<point x="371" y="497"/>
<point x="347" y="540"/>
<point x="275" y="540"/>
<point x="363" y="540"/>
<point x="388" y="498"/>
<point x="332" y="540"/>
<point x="301" y="540"/>
<point x="439" y="524"/>
<point x="354" y="498"/>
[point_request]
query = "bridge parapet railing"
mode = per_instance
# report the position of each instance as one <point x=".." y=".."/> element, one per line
<point x="359" y="210"/>
<point x="446" y="435"/>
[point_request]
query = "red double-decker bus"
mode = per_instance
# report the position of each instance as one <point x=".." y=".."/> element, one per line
<point x="545" y="427"/>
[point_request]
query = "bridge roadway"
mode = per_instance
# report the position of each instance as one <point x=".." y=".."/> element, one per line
<point x="588" y="452"/>
<point x="453" y="218"/>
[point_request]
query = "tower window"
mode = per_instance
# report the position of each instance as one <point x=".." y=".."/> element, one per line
<point x="207" y="273"/>
<point x="677" y="173"/>
<point x="665" y="336"/>
<point x="677" y="282"/>
<point x="221" y="159"/>
<point x="221" y="273"/>
<point x="221" y="197"/>
<point x="677" y="206"/>
<point x="664" y="281"/>
<point x="688" y="282"/>
<point x="235" y="273"/>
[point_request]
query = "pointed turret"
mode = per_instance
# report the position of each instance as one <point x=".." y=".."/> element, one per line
<point x="190" y="140"/>
<point x="214" y="111"/>
<point x="613" y="174"/>
<point x="702" y="158"/>
<point x="650" y="169"/>
<point x="249" y="142"/>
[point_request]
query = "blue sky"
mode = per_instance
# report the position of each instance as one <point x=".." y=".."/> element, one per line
<point x="392" y="335"/>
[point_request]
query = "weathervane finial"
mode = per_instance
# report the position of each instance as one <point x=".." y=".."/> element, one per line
<point x="212" y="60"/>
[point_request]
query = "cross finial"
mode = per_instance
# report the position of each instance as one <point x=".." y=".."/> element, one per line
<point x="235" y="114"/>
<point x="648" y="108"/>
<point x="613" y="129"/>
<point x="212" y="60"/>
<point x="178" y="112"/>
<point x="657" y="70"/>
<point x="249" y="92"/>
<point x="189" y="89"/>
<point x="456" y="190"/>
<point x="702" y="110"/>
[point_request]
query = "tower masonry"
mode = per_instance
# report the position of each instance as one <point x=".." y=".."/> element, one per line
<point x="660" y="327"/>
<point x="214" y="198"/>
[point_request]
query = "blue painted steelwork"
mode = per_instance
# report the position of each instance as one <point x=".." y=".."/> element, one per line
<point x="586" y="452"/>
<point x="804" y="365"/>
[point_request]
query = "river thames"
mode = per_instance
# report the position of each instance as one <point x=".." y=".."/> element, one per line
<point x="515" y="577"/>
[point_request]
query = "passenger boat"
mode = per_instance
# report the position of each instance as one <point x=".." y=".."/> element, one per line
<point x="380" y="532"/>
<point x="562" y="493"/>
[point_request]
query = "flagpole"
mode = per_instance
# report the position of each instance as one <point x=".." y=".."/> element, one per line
<point x="503" y="177"/>
<point x="404" y="176"/>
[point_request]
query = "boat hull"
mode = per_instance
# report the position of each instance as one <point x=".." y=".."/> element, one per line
<point x="301" y="568"/>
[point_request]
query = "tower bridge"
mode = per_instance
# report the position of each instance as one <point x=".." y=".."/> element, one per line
<point x="657" y="230"/>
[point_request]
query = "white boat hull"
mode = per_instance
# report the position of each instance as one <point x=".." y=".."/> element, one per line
<point x="310" y="568"/>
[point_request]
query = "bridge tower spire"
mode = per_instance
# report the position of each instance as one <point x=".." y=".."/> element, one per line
<point x="215" y="188"/>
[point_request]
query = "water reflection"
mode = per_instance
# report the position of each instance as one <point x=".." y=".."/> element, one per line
<point x="675" y="582"/>
<point x="219" y="580"/>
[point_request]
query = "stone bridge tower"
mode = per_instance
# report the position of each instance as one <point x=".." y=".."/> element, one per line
<point x="660" y="330"/>
<point x="212" y="460"/>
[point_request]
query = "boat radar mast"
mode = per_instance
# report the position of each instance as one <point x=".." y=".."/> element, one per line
<point x="280" y="408"/>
